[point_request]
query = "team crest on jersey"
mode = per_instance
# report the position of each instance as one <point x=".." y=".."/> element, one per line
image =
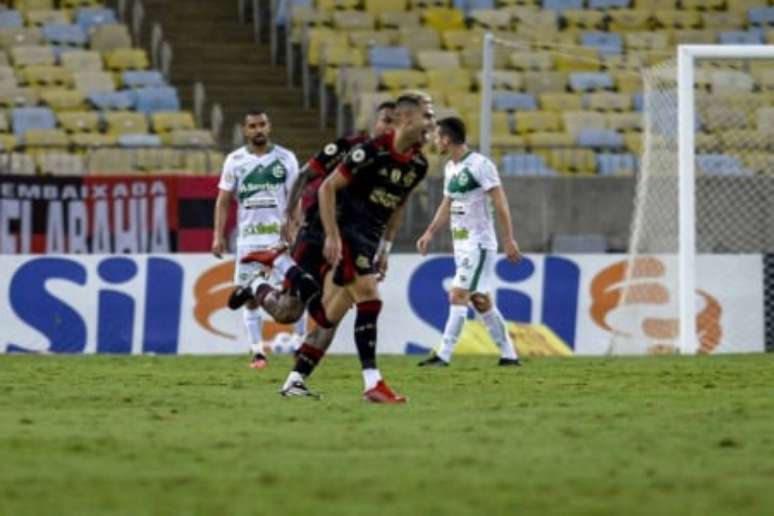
<point x="330" y="149"/>
<point x="362" y="261"/>
<point x="358" y="155"/>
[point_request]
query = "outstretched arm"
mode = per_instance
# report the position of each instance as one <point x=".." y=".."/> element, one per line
<point x="440" y="218"/>
<point x="503" y="214"/>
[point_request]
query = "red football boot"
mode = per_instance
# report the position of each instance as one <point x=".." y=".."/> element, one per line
<point x="264" y="256"/>
<point x="381" y="393"/>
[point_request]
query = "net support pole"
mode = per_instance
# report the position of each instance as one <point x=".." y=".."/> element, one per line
<point x="686" y="200"/>
<point x="487" y="69"/>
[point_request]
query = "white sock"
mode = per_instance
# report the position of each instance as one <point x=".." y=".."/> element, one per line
<point x="253" y="324"/>
<point x="293" y="377"/>
<point x="495" y="325"/>
<point x="299" y="327"/>
<point x="371" y="377"/>
<point x="283" y="263"/>
<point x="451" y="333"/>
<point x="257" y="282"/>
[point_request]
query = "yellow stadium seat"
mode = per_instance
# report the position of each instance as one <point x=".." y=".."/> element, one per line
<point x="560" y="102"/>
<point x="543" y="140"/>
<point x="765" y="119"/>
<point x="449" y="80"/>
<point x="42" y="17"/>
<point x="190" y="138"/>
<point x="705" y="143"/>
<point x="79" y="121"/>
<point x="89" y="82"/>
<point x="165" y="122"/>
<point x="127" y="59"/>
<point x="60" y="163"/>
<point x="746" y="139"/>
<point x="20" y="36"/>
<point x="718" y="117"/>
<point x="770" y="37"/>
<point x="584" y="18"/>
<point x="335" y="57"/>
<point x="70" y="4"/>
<point x="318" y="38"/>
<point x="8" y="142"/>
<point x="19" y="163"/>
<point x="203" y="162"/>
<point x="419" y="38"/>
<point x="538" y="23"/>
<point x="578" y="60"/>
<point x="527" y="60"/>
<point x="63" y="99"/>
<point x="630" y="61"/>
<point x="493" y="19"/>
<point x="622" y="20"/>
<point x="378" y="7"/>
<point x="4" y="61"/>
<point x="608" y="101"/>
<point x="367" y="38"/>
<point x="105" y="38"/>
<point x="726" y="81"/>
<point x="330" y="5"/>
<point x="159" y="159"/>
<point x="658" y="5"/>
<point x="403" y="79"/>
<point x="126" y="122"/>
<point x="353" y="20"/>
<point x="759" y="162"/>
<point x="743" y="6"/>
<point x="765" y="79"/>
<point x="545" y="82"/>
<point x="646" y="40"/>
<point x="94" y="139"/>
<point x="574" y="121"/>
<point x="504" y="80"/>
<point x="33" y="55"/>
<point x="459" y="39"/>
<point x="35" y="138"/>
<point x="31" y="5"/>
<point x="110" y="161"/>
<point x="18" y="97"/>
<point x="537" y="121"/>
<point x="396" y="20"/>
<point x="307" y="16"/>
<point x="426" y="4"/>
<point x="82" y="61"/>
<point x="8" y="76"/>
<point x="703" y="5"/>
<point x="5" y="125"/>
<point x="677" y="19"/>
<point x="441" y="18"/>
<point x="464" y="102"/>
<point x="434" y="59"/>
<point x="471" y="58"/>
<point x="625" y="122"/>
<point x="723" y="20"/>
<point x="575" y="161"/>
<point x="633" y="142"/>
<point x="693" y="36"/>
<point x="46" y="75"/>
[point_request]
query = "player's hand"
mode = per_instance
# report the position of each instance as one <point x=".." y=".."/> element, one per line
<point x="381" y="266"/>
<point x="424" y="242"/>
<point x="289" y="230"/>
<point x="332" y="250"/>
<point x="512" y="250"/>
<point x="218" y="246"/>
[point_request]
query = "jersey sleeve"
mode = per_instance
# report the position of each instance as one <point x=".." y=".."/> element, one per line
<point x="228" y="176"/>
<point x="358" y="159"/>
<point x="329" y="155"/>
<point x="487" y="176"/>
<point x="292" y="173"/>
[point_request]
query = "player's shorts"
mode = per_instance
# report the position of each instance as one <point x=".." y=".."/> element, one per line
<point x="357" y="259"/>
<point x="474" y="269"/>
<point x="308" y="254"/>
<point x="245" y="272"/>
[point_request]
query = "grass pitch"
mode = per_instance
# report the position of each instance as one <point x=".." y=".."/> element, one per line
<point x="188" y="435"/>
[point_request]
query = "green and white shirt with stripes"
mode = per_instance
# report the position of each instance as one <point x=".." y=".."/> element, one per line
<point x="466" y="183"/>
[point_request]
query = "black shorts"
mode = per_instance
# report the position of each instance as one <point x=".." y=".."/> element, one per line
<point x="357" y="258"/>
<point x="308" y="253"/>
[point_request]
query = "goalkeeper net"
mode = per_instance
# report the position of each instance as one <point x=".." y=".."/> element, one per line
<point x="704" y="205"/>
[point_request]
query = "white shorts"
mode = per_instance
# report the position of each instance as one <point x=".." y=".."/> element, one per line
<point x="474" y="269"/>
<point x="245" y="272"/>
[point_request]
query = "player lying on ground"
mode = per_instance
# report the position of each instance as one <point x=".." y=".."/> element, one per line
<point x="471" y="186"/>
<point x="259" y="177"/>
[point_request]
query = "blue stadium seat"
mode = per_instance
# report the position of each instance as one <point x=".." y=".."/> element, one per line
<point x="143" y="79"/>
<point x="588" y="81"/>
<point x="28" y="118"/>
<point x="153" y="100"/>
<point x="591" y="137"/>
<point x="639" y="101"/>
<point x="89" y="17"/>
<point x="562" y="5"/>
<point x="613" y="164"/>
<point x="10" y="19"/>
<point x="468" y="5"/>
<point x="65" y="34"/>
<point x="114" y="100"/>
<point x="741" y="37"/>
<point x="761" y="15"/>
<point x="283" y="8"/>
<point x="606" y="42"/>
<point x="510" y="101"/>
<point x="385" y="58"/>
<point x="721" y="165"/>
<point x="609" y="4"/>
<point x="139" y="140"/>
<point x="521" y="164"/>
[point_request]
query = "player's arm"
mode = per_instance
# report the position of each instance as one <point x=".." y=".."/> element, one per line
<point x="222" y="204"/>
<point x="385" y="246"/>
<point x="503" y="214"/>
<point x="440" y="218"/>
<point x="293" y="211"/>
<point x="326" y="197"/>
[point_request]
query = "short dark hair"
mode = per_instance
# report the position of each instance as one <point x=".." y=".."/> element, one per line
<point x="454" y="128"/>
<point x="387" y="104"/>
<point x="255" y="112"/>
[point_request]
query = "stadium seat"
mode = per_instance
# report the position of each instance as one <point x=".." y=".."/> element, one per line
<point x="89" y="17"/>
<point x="17" y="97"/>
<point x="46" y="75"/>
<point x="605" y="43"/>
<point x="589" y="81"/>
<point x="126" y="59"/>
<point x="718" y="117"/>
<point x="27" y="118"/>
<point x="543" y="140"/>
<point x="65" y="34"/>
<point x="537" y="121"/>
<point x="385" y="58"/>
<point x="765" y="119"/>
<point x="674" y="19"/>
<point x="575" y="121"/>
<point x="10" y="19"/>
<point x="442" y="19"/>
<point x="191" y="138"/>
<point x="579" y="161"/>
<point x="646" y="40"/>
<point x="525" y="61"/>
<point x="633" y="143"/>
<point x="492" y="19"/>
<point x="139" y="140"/>
<point x="743" y="6"/>
<point x="143" y="79"/>
<point x="93" y="139"/>
<point x="746" y="139"/>
<point x="19" y="163"/>
<point x="521" y="164"/>
<point x="8" y="142"/>
<point x="93" y="82"/>
<point x="31" y="5"/>
<point x="21" y="36"/>
<point x="379" y="7"/>
<point x="609" y="4"/>
<point x="33" y="55"/>
<point x="419" y="38"/>
<point x="438" y="59"/>
<point x="461" y="39"/>
<point x="111" y="100"/>
<point x="537" y="23"/>
<point x="397" y="20"/>
<point x="502" y="80"/>
<point x="607" y="101"/>
<point x="79" y="121"/>
<point x="721" y="165"/>
<point x="511" y="101"/>
<point x="332" y="5"/>
<point x="203" y="162"/>
<point x="616" y="164"/>
<point x="554" y="101"/>
<point x="8" y="76"/>
<point x="126" y="122"/>
<point x="152" y="100"/>
<point x="598" y="138"/>
<point x="41" y="17"/>
<point x="626" y="20"/>
<point x="469" y="5"/>
<point x="424" y="4"/>
<point x="584" y="19"/>
<point x="464" y="101"/>
<point x="109" y="37"/>
<point x="335" y="57"/>
<point x="579" y="60"/>
<point x="110" y="161"/>
<point x="82" y="61"/>
<point x="761" y="16"/>
<point x="760" y="162"/>
<point x="723" y="20"/>
<point x="449" y="80"/>
<point x="737" y="37"/>
<point x="727" y="81"/>
<point x="60" y="163"/>
<point x="703" y="5"/>
<point x="625" y="122"/>
<point x="40" y="139"/>
<point x="353" y="20"/>
<point x="168" y="122"/>
<point x="562" y="5"/>
<point x="369" y="38"/>
<point x="545" y="82"/>
<point x="403" y="79"/>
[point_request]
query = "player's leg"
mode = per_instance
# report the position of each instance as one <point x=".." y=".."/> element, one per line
<point x="455" y="321"/>
<point x="251" y="312"/>
<point x="495" y="325"/>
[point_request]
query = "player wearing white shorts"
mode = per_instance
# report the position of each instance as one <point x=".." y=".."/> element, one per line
<point x="258" y="177"/>
<point x="471" y="188"/>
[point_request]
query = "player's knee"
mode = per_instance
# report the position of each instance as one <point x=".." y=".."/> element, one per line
<point x="458" y="296"/>
<point x="289" y="310"/>
<point x="481" y="302"/>
<point x="366" y="288"/>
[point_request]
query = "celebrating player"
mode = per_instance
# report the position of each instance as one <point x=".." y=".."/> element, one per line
<point x="471" y="186"/>
<point x="259" y="177"/>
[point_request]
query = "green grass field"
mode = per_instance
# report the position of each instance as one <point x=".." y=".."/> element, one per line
<point x="186" y="435"/>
